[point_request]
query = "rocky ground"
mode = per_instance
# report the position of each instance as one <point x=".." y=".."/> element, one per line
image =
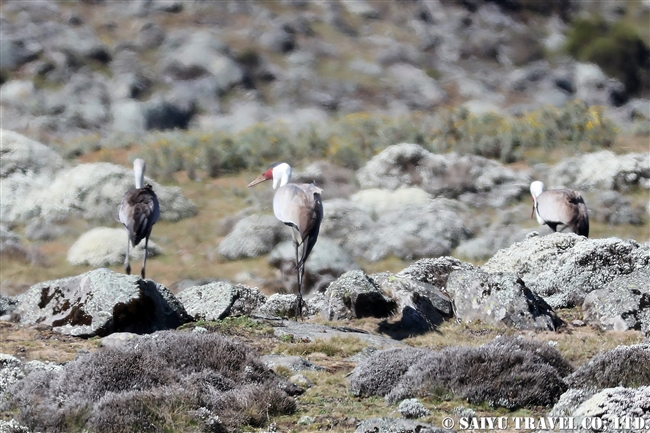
<point x="430" y="293"/>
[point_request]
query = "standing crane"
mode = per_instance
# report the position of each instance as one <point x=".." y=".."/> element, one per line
<point x="561" y="206"/>
<point x="138" y="211"/>
<point x="300" y="207"/>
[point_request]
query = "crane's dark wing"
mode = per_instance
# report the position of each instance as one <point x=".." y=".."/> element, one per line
<point x="139" y="211"/>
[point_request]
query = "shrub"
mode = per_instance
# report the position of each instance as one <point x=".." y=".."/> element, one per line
<point x="508" y="372"/>
<point x="627" y="366"/>
<point x="168" y="380"/>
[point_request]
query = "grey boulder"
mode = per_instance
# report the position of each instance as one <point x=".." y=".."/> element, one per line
<point x="216" y="301"/>
<point x="354" y="295"/>
<point x="101" y="302"/>
<point x="253" y="236"/>
<point x="563" y="268"/>
<point x="499" y="299"/>
<point x="624" y="303"/>
<point x="396" y="425"/>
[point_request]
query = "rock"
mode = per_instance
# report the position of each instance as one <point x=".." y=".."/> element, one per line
<point x="281" y="39"/>
<point x="253" y="236"/>
<point x="7" y="304"/>
<point x="17" y="92"/>
<point x="499" y="299"/>
<point x="474" y="179"/>
<point x="415" y="87"/>
<point x="620" y="408"/>
<point x="308" y="332"/>
<point x="395" y="425"/>
<point x="355" y="295"/>
<point x="122" y="340"/>
<point x="12" y="426"/>
<point x="128" y="116"/>
<point x="101" y="302"/>
<point x="216" y="301"/>
<point x="361" y="8"/>
<point x="422" y="306"/>
<point x="412" y="408"/>
<point x="198" y="54"/>
<point x="94" y="191"/>
<point x="603" y="170"/>
<point x="502" y="233"/>
<point x="612" y="207"/>
<point x="42" y="230"/>
<point x="24" y="164"/>
<point x="105" y="246"/>
<point x="624" y="303"/>
<point x="381" y="200"/>
<point x="564" y="268"/>
<point x="293" y="363"/>
<point x="569" y="401"/>
<point x="327" y="262"/>
<point x="434" y="271"/>
<point x="336" y="182"/>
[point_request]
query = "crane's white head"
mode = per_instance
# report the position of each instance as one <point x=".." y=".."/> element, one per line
<point x="280" y="173"/>
<point x="139" y="167"/>
<point x="536" y="188"/>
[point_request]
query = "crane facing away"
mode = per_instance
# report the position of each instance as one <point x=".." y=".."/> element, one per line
<point x="138" y="211"/>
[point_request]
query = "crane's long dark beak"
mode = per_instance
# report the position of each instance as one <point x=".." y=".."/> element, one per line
<point x="261" y="178"/>
<point x="532" y="213"/>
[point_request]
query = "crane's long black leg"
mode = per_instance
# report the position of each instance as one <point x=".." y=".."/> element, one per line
<point x="298" y="277"/>
<point x="144" y="261"/>
<point x="127" y="265"/>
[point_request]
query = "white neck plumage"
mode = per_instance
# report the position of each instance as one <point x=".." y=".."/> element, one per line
<point x="138" y="169"/>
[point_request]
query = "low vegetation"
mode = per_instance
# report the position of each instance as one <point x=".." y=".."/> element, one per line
<point x="351" y="140"/>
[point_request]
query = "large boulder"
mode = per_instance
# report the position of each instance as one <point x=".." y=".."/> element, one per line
<point x="602" y="170"/>
<point x="391" y="425"/>
<point x="253" y="236"/>
<point x="563" y="268"/>
<point x="327" y="261"/>
<point x="25" y="165"/>
<point x="216" y="301"/>
<point x="105" y="246"/>
<point x="434" y="271"/>
<point x="408" y="232"/>
<point x="355" y="295"/>
<point x="421" y="306"/>
<point x="94" y="191"/>
<point x="101" y="302"/>
<point x="474" y="179"/>
<point x="499" y="299"/>
<point x="624" y="303"/>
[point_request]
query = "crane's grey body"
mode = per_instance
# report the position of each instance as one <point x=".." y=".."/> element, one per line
<point x="300" y="207"/>
<point x="560" y="206"/>
<point x="138" y="212"/>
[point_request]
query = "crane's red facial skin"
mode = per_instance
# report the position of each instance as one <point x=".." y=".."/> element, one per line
<point x="267" y="175"/>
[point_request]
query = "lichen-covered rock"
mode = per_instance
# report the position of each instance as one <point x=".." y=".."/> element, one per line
<point x="100" y="302"/>
<point x="105" y="246"/>
<point x="564" y="268"/>
<point x="602" y="170"/>
<point x="395" y="425"/>
<point x="94" y="191"/>
<point x="11" y="371"/>
<point x="499" y="299"/>
<point x="216" y="301"/>
<point x="624" y="303"/>
<point x="421" y="306"/>
<point x="478" y="180"/>
<point x="434" y="271"/>
<point x="355" y="295"/>
<point x="620" y="409"/>
<point x="412" y="408"/>
<point x="253" y="236"/>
